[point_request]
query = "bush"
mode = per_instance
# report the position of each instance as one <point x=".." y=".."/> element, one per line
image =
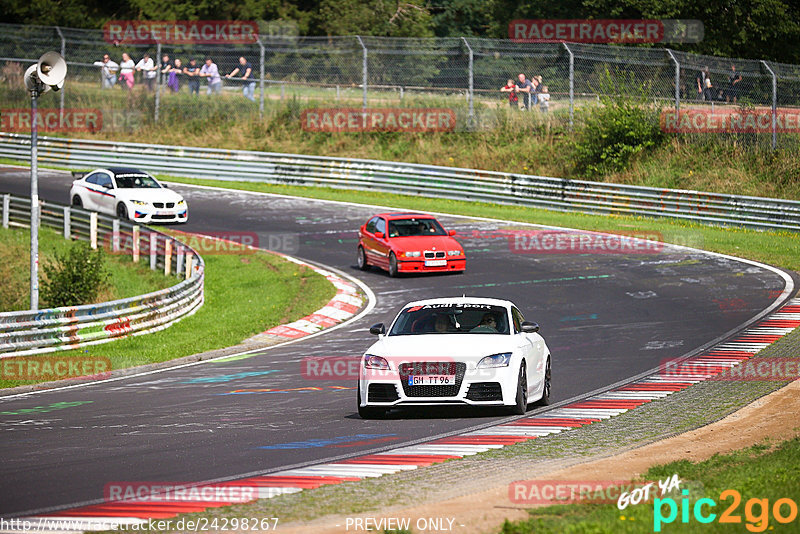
<point x="75" y="277"/>
<point x="617" y="130"/>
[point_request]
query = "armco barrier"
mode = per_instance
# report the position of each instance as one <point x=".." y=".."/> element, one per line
<point x="407" y="178"/>
<point x="55" y="329"/>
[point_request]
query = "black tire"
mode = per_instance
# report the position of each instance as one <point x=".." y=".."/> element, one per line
<point x="122" y="211"/>
<point x="392" y="265"/>
<point x="369" y="412"/>
<point x="545" y="398"/>
<point x="522" y="392"/>
<point x="361" y="259"/>
<point x="77" y="202"/>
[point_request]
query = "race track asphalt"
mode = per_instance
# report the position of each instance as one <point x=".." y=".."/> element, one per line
<point x="606" y="317"/>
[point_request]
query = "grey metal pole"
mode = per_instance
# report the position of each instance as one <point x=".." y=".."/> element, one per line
<point x="158" y="81"/>
<point x="261" y="82"/>
<point x="471" y="82"/>
<point x="774" y="105"/>
<point x="364" y="70"/>
<point x="34" y="204"/>
<point x="677" y="80"/>
<point x="571" y="85"/>
<point x="61" y="96"/>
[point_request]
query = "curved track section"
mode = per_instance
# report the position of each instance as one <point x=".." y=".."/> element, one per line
<point x="606" y="317"/>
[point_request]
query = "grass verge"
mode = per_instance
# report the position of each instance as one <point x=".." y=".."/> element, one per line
<point x="127" y="280"/>
<point x="244" y="295"/>
<point x="764" y="472"/>
<point x="777" y="248"/>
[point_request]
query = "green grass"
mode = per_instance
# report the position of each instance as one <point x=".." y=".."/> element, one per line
<point x="764" y="471"/>
<point x="244" y="295"/>
<point x="777" y="248"/>
<point x="127" y="280"/>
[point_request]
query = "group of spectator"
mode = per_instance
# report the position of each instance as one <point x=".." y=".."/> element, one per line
<point x="173" y="72"/>
<point x="526" y="94"/>
<point x="708" y="91"/>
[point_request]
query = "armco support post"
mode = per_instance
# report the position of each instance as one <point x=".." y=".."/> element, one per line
<point x="93" y="229"/>
<point x="115" y="235"/>
<point x="6" y="205"/>
<point x="135" y="240"/>
<point x="179" y="261"/>
<point x="153" y="250"/>
<point x="167" y="256"/>
<point x="189" y="259"/>
<point x="67" y="222"/>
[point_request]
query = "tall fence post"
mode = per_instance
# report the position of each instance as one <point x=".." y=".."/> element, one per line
<point x="6" y="206"/>
<point x="158" y="81"/>
<point x="774" y="105"/>
<point x="61" y="93"/>
<point x="93" y="229"/>
<point x="261" y="79"/>
<point x="135" y="244"/>
<point x="677" y="80"/>
<point x="153" y="250"/>
<point x="471" y="82"/>
<point x="571" y="85"/>
<point x="67" y="222"/>
<point x="363" y="69"/>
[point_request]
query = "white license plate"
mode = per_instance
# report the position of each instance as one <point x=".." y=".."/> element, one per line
<point x="164" y="212"/>
<point x="431" y="380"/>
<point x="435" y="263"/>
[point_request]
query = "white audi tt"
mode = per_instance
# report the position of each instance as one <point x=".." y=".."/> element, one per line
<point x="129" y="194"/>
<point x="462" y="350"/>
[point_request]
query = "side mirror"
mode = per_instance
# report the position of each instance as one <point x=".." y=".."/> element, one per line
<point x="377" y="329"/>
<point x="529" y="327"/>
<point x="379" y="235"/>
<point x="451" y="233"/>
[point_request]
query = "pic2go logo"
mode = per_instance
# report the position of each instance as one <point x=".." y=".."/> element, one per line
<point x="756" y="511"/>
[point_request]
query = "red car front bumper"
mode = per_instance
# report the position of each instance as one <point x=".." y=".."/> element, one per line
<point x="417" y="266"/>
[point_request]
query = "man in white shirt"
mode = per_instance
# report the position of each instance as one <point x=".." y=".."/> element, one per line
<point x="210" y="71"/>
<point x="108" y="72"/>
<point x="148" y="67"/>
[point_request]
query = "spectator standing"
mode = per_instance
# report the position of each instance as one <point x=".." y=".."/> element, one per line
<point x="734" y="79"/>
<point x="108" y="72"/>
<point x="525" y="86"/>
<point x="709" y="93"/>
<point x="246" y="70"/>
<point x="164" y="68"/>
<point x="702" y="76"/>
<point x="148" y="68"/>
<point x="544" y="99"/>
<point x="510" y="88"/>
<point x="126" y="69"/>
<point x="537" y="88"/>
<point x="174" y="82"/>
<point x="192" y="70"/>
<point x="210" y="71"/>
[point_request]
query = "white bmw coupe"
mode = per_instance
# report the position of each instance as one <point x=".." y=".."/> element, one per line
<point x="448" y="351"/>
<point x="129" y="194"/>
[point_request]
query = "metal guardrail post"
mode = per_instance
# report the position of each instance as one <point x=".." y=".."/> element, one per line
<point x="261" y="79"/>
<point x="158" y="83"/>
<point x="61" y="92"/>
<point x="471" y="82"/>
<point x="67" y="222"/>
<point x="364" y="70"/>
<point x="677" y="80"/>
<point x="6" y="207"/>
<point x="188" y="267"/>
<point x="167" y="256"/>
<point x="135" y="245"/>
<point x="774" y="105"/>
<point x="93" y="229"/>
<point x="179" y="260"/>
<point x="115" y="235"/>
<point x="571" y="85"/>
<point x="153" y="250"/>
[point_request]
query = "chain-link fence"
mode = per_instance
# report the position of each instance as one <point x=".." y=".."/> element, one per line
<point x="462" y="74"/>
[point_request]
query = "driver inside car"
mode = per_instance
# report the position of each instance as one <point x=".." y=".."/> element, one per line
<point x="488" y="324"/>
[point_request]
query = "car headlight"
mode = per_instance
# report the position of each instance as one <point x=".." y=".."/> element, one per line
<point x="495" y="360"/>
<point x="375" y="362"/>
<point x="411" y="254"/>
<point x="181" y="203"/>
<point x="138" y="203"/>
<point x="454" y="253"/>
